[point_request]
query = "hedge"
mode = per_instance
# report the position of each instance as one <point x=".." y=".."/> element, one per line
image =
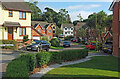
<point x="9" y="42"/>
<point x="21" y="66"/>
<point x="43" y="58"/>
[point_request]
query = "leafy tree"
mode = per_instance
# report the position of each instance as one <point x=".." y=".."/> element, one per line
<point x="80" y="17"/>
<point x="75" y="22"/>
<point x="36" y="12"/>
<point x="81" y="33"/>
<point x="58" y="31"/>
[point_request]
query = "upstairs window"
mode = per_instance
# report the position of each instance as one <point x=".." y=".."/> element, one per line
<point x="65" y="28"/>
<point x="22" y="15"/>
<point x="39" y="30"/>
<point x="49" y="31"/>
<point x="10" y="13"/>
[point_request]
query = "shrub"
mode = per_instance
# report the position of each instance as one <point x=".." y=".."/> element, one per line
<point x="17" y="68"/>
<point x="9" y="42"/>
<point x="43" y="58"/>
<point x="68" y="38"/>
<point x="21" y="66"/>
<point x="55" y="42"/>
<point x="98" y="46"/>
<point x="45" y="38"/>
<point x="25" y="38"/>
<point x="31" y="60"/>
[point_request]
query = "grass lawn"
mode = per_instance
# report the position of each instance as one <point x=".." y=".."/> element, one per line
<point x="61" y="47"/>
<point x="100" y="67"/>
<point x="93" y="51"/>
<point x="76" y="43"/>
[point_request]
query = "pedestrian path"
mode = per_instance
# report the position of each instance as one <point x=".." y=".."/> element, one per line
<point x="48" y="68"/>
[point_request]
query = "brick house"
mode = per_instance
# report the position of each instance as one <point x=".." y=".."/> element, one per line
<point x="106" y="35"/>
<point x="115" y="7"/>
<point x="15" y="21"/>
<point x="44" y="28"/>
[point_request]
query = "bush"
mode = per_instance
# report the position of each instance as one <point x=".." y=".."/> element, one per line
<point x="43" y="58"/>
<point x="45" y="38"/>
<point x="98" y="46"/>
<point x="9" y="42"/>
<point x="25" y="38"/>
<point x="55" y="42"/>
<point x="68" y="38"/>
<point x="21" y="66"/>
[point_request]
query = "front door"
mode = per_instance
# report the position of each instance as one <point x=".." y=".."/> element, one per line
<point x="10" y="33"/>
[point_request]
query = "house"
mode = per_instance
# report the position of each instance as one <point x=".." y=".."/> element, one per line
<point x="15" y="21"/>
<point x="77" y="27"/>
<point x="106" y="35"/>
<point x="44" y="28"/>
<point x="53" y="25"/>
<point x="67" y="29"/>
<point x="115" y="7"/>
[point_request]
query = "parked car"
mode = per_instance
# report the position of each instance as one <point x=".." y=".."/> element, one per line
<point x="61" y="36"/>
<point x="66" y="44"/>
<point x="107" y="47"/>
<point x="91" y="46"/>
<point x="74" y="40"/>
<point x="60" y="40"/>
<point x="39" y="46"/>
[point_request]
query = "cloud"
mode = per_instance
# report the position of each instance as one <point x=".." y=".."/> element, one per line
<point x="82" y="7"/>
<point x="84" y="15"/>
<point x="73" y="0"/>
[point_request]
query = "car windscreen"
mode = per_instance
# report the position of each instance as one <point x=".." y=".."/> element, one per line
<point x="36" y="42"/>
<point x="66" y="42"/>
<point x="108" y="43"/>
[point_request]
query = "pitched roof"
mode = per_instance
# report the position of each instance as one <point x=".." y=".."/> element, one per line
<point x="44" y="25"/>
<point x="67" y="25"/>
<point x="81" y="24"/>
<point x="18" y="6"/>
<point x="112" y="5"/>
<point x="37" y="31"/>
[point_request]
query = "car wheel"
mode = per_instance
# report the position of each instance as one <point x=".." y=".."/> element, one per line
<point x="38" y="49"/>
<point x="47" y="49"/>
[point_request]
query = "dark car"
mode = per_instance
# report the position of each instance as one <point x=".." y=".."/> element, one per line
<point x="66" y="44"/>
<point x="39" y="46"/>
<point x="107" y="47"/>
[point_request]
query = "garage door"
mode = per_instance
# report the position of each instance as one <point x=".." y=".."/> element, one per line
<point x="36" y="37"/>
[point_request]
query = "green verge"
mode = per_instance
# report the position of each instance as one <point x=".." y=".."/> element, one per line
<point x="61" y="47"/>
<point x="100" y="67"/>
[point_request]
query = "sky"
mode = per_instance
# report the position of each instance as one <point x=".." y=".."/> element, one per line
<point x="74" y="8"/>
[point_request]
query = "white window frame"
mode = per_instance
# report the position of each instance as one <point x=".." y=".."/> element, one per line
<point x="49" y="30"/>
<point x="65" y="28"/>
<point x="39" y="30"/>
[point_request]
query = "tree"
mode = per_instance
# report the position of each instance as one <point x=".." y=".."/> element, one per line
<point x="81" y="33"/>
<point x="75" y="22"/>
<point x="80" y="17"/>
<point x="36" y="12"/>
<point x="58" y="31"/>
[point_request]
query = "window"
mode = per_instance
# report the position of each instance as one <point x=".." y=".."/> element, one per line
<point x="49" y="30"/>
<point x="71" y="32"/>
<point x="39" y="30"/>
<point x="65" y="32"/>
<point x="65" y="28"/>
<point x="22" y="31"/>
<point x="10" y="13"/>
<point x="53" y="27"/>
<point x="22" y="15"/>
<point x="71" y="28"/>
<point x="53" y="31"/>
<point x="49" y="37"/>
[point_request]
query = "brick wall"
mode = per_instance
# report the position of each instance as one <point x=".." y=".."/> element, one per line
<point x="116" y="31"/>
<point x="47" y="32"/>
